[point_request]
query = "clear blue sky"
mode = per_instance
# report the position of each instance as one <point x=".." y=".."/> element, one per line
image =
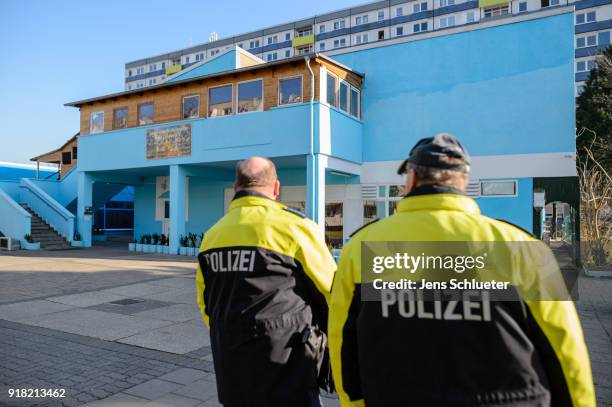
<point x="53" y="52"/>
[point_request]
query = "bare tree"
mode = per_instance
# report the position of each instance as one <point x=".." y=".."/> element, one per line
<point x="595" y="204"/>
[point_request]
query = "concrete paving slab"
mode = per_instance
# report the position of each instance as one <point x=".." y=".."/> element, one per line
<point x="172" y="400"/>
<point x="136" y="290"/>
<point x="202" y="390"/>
<point x="176" y="282"/>
<point x="179" y="296"/>
<point x="211" y="403"/>
<point x="131" y="309"/>
<point x="184" y="376"/>
<point x="18" y="311"/>
<point x="153" y="389"/>
<point x="87" y="299"/>
<point x="176" y="313"/>
<point x="180" y="338"/>
<point x="97" y="324"/>
<point x="119" y="400"/>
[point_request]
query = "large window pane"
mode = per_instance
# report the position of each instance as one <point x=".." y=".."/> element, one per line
<point x="191" y="107"/>
<point x="331" y="90"/>
<point x="145" y="114"/>
<point x="397" y="191"/>
<point x="355" y="102"/>
<point x="344" y="95"/>
<point x="120" y="118"/>
<point x="497" y="188"/>
<point x="250" y="96"/>
<point x="290" y="90"/>
<point x="333" y="225"/>
<point x="97" y="122"/>
<point x="220" y="101"/>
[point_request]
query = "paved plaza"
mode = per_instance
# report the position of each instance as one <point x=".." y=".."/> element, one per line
<point x="115" y="328"/>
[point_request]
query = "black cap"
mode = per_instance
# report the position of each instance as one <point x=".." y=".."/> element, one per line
<point x="431" y="151"/>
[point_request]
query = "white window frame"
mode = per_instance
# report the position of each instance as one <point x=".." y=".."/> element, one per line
<point x="336" y="87"/>
<point x="497" y="181"/>
<point x="351" y="88"/>
<point x="262" y="95"/>
<point x="183" y="106"/>
<point x="348" y="96"/>
<point x="399" y="11"/>
<point x="301" y="76"/>
<point x="91" y="116"/>
<point x="378" y="17"/>
<point x="208" y="100"/>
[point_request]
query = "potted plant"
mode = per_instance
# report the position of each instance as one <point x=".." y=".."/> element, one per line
<point x="29" y="243"/>
<point x="155" y="243"/>
<point x="132" y="245"/>
<point x="140" y="244"/>
<point x="164" y="241"/>
<point x="76" y="240"/>
<point x="147" y="244"/>
<point x="193" y="242"/>
<point x="98" y="235"/>
<point x="184" y="240"/>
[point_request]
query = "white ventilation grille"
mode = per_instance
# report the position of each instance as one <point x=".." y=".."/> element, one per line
<point x="369" y="192"/>
<point x="473" y="188"/>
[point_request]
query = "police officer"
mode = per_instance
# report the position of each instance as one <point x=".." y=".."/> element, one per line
<point x="518" y="353"/>
<point x="263" y="282"/>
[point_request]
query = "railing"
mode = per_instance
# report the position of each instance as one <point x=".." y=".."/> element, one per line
<point x="15" y="222"/>
<point x="47" y="208"/>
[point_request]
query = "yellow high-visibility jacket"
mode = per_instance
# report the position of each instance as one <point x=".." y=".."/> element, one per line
<point x="525" y="353"/>
<point x="263" y="280"/>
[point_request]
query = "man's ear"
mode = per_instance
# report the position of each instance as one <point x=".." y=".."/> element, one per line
<point x="234" y="187"/>
<point x="276" y="188"/>
<point x="410" y="180"/>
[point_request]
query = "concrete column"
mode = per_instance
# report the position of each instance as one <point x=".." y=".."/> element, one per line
<point x="85" y="193"/>
<point x="315" y="189"/>
<point x="177" y="206"/>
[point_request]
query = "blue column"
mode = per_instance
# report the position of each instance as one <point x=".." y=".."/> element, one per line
<point x="177" y="206"/>
<point x="315" y="188"/>
<point x="84" y="200"/>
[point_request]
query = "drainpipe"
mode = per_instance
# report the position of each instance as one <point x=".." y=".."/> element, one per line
<point x="313" y="170"/>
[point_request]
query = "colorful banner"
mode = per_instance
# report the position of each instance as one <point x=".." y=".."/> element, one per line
<point x="169" y="142"/>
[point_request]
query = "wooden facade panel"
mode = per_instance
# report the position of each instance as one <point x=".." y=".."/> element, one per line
<point x="342" y="73"/>
<point x="168" y="102"/>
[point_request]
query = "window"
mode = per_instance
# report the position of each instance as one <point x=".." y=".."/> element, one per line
<point x="273" y="39"/>
<point x="498" y="188"/>
<point x="152" y="81"/>
<point x="338" y="25"/>
<point x="321" y="28"/>
<point x="304" y="32"/>
<point x="496" y="11"/>
<point x="469" y="17"/>
<point x="186" y="59"/>
<point x="333" y="225"/>
<point x="586" y="17"/>
<point x="272" y="56"/>
<point x="220" y="101"/>
<point x="287" y="36"/>
<point x="163" y="65"/>
<point x="399" y="31"/>
<point x="74" y="153"/>
<point x="591" y="41"/>
<point x="340" y="43"/>
<point x="384" y="205"/>
<point x="355" y="102"/>
<point x="418" y="7"/>
<point x="287" y="53"/>
<point x="120" y="118"/>
<point x="152" y="67"/>
<point x="331" y="90"/>
<point x="399" y="11"/>
<point x="547" y="3"/>
<point x="321" y="46"/>
<point x="381" y="15"/>
<point x="381" y="35"/>
<point x="290" y="90"/>
<point x="96" y="123"/>
<point x="361" y="20"/>
<point x="241" y="45"/>
<point x="254" y="44"/>
<point x="580" y="42"/>
<point x="584" y="66"/>
<point x="343" y="96"/>
<point x="419" y="27"/>
<point x="145" y="114"/>
<point x="66" y="158"/>
<point x="522" y="7"/>
<point x="250" y="96"/>
<point x="444" y="3"/>
<point x="191" y="107"/>
<point x="447" y="21"/>
<point x="130" y="72"/>
<point x="361" y="39"/>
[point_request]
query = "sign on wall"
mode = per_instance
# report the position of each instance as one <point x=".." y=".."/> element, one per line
<point x="169" y="142"/>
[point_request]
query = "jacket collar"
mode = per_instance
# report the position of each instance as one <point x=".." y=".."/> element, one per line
<point x="253" y="198"/>
<point x="437" y="197"/>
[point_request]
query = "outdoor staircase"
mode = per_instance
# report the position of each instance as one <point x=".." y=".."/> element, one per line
<point x="41" y="232"/>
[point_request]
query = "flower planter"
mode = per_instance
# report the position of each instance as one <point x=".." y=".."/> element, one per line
<point x="159" y="249"/>
<point x="30" y="246"/>
<point x="146" y="248"/>
<point x="131" y="246"/>
<point x="76" y="243"/>
<point x="137" y="247"/>
<point x="192" y="251"/>
<point x="183" y="251"/>
<point x="98" y="238"/>
<point x="165" y="249"/>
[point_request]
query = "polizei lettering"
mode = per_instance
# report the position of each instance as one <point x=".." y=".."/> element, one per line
<point x="230" y="260"/>
<point x="467" y="305"/>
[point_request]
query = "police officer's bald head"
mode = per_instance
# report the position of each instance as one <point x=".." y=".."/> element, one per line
<point x="258" y="174"/>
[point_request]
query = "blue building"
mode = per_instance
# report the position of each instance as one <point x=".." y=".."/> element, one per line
<point x="338" y="126"/>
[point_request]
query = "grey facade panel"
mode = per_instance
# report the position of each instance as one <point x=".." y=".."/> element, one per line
<point x="333" y="16"/>
<point x="396" y="2"/>
<point x="369" y="7"/>
<point x="304" y="23"/>
<point x="249" y="36"/>
<point x="278" y="28"/>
